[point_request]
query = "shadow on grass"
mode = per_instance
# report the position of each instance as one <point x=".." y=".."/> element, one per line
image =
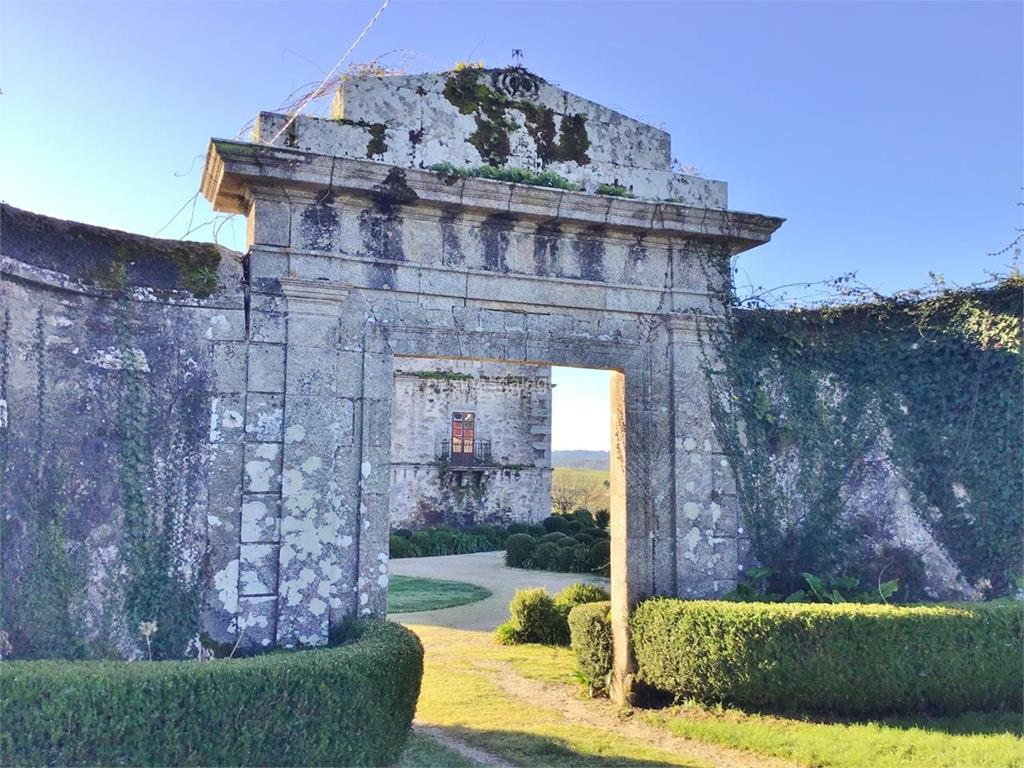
<point x="967" y="724"/>
<point x="531" y="749"/>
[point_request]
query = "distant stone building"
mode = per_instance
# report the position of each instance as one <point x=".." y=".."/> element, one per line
<point x="470" y="443"/>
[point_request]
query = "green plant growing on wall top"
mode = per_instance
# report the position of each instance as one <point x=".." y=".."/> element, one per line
<point x="450" y="173"/>
<point x="614" y="190"/>
<point x="443" y="375"/>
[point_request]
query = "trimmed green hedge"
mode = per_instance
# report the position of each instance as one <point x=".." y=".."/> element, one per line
<point x="537" y="617"/>
<point x="348" y="705"/>
<point x="431" y="541"/>
<point x="590" y="632"/>
<point x="564" y="543"/>
<point x="839" y="659"/>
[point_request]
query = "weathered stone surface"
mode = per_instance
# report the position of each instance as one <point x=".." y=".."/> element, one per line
<point x="509" y="478"/>
<point x="121" y="419"/>
<point x="449" y="117"/>
<point x="271" y="411"/>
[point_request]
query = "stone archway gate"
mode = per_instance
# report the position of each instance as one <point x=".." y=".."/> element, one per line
<point x="358" y="255"/>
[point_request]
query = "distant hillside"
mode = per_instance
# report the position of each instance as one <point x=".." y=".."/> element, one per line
<point x="580" y="459"/>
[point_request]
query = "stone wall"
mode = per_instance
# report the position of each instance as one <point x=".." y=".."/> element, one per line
<point x="512" y="407"/>
<point x="114" y="353"/>
<point x="196" y="418"/>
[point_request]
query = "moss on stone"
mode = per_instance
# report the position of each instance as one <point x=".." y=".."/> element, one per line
<point x="466" y="90"/>
<point x="540" y="123"/>
<point x="377" y="145"/>
<point x="573" y="141"/>
<point x="444" y="375"/>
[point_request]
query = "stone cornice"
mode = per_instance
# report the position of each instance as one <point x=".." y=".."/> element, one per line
<point x="235" y="170"/>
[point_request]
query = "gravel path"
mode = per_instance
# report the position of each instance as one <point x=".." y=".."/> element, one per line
<point x="487" y="569"/>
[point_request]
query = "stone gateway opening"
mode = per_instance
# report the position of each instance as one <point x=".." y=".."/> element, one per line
<point x="417" y="225"/>
<point x="359" y="265"/>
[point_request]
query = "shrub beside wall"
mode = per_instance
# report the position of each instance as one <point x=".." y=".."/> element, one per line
<point x="838" y="659"/>
<point x="590" y="632"/>
<point x="348" y="705"/>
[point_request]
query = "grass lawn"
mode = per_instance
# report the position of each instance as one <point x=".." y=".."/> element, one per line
<point x="973" y="740"/>
<point x="584" y="478"/>
<point x="409" y="594"/>
<point x="523" y="705"/>
<point x="462" y="694"/>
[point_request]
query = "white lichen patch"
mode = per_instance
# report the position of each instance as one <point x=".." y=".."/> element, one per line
<point x="225" y="582"/>
<point x="260" y="474"/>
<point x="296" y="433"/>
<point x="219" y="325"/>
<point x="114" y="359"/>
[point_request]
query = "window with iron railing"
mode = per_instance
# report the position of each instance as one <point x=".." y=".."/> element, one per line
<point x="464" y="448"/>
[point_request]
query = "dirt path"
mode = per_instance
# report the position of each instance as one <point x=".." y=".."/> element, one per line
<point x="445" y="739"/>
<point x="602" y="713"/>
<point x="473" y="652"/>
<point x="487" y="569"/>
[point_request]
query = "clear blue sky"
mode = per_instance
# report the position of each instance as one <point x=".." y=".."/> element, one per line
<point x="888" y="134"/>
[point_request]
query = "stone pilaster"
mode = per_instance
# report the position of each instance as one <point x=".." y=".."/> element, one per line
<point x="316" y="515"/>
<point x="705" y="505"/>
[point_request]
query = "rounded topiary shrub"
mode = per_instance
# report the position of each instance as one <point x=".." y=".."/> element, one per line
<point x="556" y="537"/>
<point x="533" y="618"/>
<point x="519" y="550"/>
<point x="518" y="528"/>
<point x="545" y="554"/>
<point x="348" y="705"/>
<point x="563" y="558"/>
<point x="580" y="559"/>
<point x="584" y="518"/>
<point x="578" y="594"/>
<point x="536" y="617"/>
<point x="575" y="526"/>
<point x="556" y="523"/>
<point x="400" y="546"/>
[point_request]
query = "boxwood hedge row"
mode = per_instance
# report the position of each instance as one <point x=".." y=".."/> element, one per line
<point x="842" y="659"/>
<point x="845" y="659"/>
<point x="347" y="705"/>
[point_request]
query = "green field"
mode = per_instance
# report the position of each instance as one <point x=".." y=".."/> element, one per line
<point x="590" y="483"/>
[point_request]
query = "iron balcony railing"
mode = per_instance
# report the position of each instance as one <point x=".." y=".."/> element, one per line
<point x="481" y="453"/>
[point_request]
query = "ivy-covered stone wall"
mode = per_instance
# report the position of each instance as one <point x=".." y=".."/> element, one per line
<point x="880" y="440"/>
<point x="106" y="371"/>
